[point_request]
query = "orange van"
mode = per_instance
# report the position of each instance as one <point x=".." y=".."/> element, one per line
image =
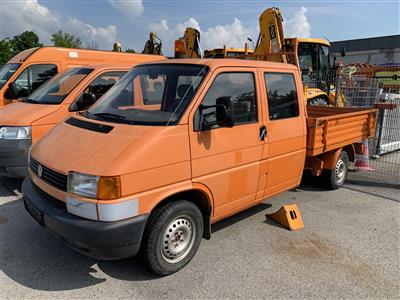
<point x="24" y="122"/>
<point x="173" y="147"/>
<point x="29" y="69"/>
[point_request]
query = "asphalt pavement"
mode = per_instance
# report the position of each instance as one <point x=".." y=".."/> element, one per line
<point x="349" y="248"/>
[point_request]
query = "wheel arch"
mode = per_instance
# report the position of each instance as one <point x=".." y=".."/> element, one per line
<point x="351" y="152"/>
<point x="200" y="196"/>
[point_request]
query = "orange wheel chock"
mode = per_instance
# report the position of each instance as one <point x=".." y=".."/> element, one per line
<point x="288" y="216"/>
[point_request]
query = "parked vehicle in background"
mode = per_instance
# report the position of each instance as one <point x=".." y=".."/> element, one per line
<point x="24" y="122"/>
<point x="29" y="69"/>
<point x="153" y="170"/>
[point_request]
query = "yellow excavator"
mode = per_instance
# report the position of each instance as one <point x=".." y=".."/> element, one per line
<point x="188" y="46"/>
<point x="310" y="55"/>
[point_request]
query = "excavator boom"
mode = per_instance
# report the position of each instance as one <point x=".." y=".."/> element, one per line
<point x="271" y="41"/>
<point x="192" y="42"/>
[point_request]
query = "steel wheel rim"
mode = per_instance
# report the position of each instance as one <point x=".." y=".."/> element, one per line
<point x="178" y="239"/>
<point x="340" y="171"/>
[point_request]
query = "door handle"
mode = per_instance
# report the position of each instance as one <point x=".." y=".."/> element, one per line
<point x="263" y="132"/>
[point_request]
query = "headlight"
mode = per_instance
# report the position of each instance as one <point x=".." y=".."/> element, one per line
<point x="91" y="186"/>
<point x="82" y="184"/>
<point x="15" y="133"/>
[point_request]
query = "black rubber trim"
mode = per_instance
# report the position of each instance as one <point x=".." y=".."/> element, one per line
<point x="50" y="199"/>
<point x="103" y="240"/>
<point x="14" y="157"/>
<point x="89" y="125"/>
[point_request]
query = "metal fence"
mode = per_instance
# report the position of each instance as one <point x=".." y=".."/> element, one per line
<point x="365" y="87"/>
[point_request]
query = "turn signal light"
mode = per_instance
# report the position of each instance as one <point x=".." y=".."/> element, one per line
<point x="109" y="188"/>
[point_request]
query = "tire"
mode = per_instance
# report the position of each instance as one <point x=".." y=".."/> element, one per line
<point x="318" y="101"/>
<point x="336" y="177"/>
<point x="172" y="237"/>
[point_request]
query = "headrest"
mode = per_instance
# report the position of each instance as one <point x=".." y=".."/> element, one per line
<point x="185" y="89"/>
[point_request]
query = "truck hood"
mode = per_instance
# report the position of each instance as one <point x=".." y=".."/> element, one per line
<point x="125" y="149"/>
<point x="24" y="114"/>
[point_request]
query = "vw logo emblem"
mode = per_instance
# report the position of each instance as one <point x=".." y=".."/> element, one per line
<point x="39" y="171"/>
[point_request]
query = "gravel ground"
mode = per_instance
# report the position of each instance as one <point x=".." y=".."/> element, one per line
<point x="349" y="248"/>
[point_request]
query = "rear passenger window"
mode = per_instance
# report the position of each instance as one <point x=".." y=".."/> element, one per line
<point x="241" y="88"/>
<point x="282" y="96"/>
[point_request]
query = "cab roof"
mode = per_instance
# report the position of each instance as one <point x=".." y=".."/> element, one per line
<point x="314" y="41"/>
<point x="226" y="62"/>
<point x="24" y="55"/>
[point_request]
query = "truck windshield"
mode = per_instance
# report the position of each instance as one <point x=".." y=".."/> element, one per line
<point x="6" y="72"/>
<point x="57" y="89"/>
<point x="150" y="95"/>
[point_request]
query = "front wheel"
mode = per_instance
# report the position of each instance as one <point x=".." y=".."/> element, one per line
<point x="336" y="177"/>
<point x="172" y="237"/>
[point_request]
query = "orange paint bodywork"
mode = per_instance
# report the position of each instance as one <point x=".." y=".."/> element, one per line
<point x="66" y="58"/>
<point x="232" y="167"/>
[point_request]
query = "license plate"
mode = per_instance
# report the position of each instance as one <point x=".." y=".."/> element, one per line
<point x="37" y="215"/>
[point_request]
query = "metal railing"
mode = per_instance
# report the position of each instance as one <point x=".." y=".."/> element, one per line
<point x="367" y="87"/>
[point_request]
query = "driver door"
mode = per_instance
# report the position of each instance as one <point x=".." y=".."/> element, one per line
<point x="227" y="160"/>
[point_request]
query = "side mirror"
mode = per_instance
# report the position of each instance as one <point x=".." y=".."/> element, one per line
<point x="85" y="101"/>
<point x="13" y="90"/>
<point x="342" y="52"/>
<point x="224" y="111"/>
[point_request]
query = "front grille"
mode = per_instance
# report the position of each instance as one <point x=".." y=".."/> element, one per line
<point x="50" y="176"/>
<point x="89" y="125"/>
<point x="50" y="199"/>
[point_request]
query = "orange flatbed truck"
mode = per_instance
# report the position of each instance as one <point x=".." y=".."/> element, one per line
<point x="217" y="137"/>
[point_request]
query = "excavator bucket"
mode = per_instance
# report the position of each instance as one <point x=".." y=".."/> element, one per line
<point x="288" y="216"/>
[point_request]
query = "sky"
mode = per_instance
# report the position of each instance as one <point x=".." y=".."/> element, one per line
<point x="221" y="22"/>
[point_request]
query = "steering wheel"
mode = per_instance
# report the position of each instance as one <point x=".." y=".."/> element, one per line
<point x="348" y="71"/>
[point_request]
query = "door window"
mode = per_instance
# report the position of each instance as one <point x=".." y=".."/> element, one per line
<point x="241" y="88"/>
<point x="99" y="86"/>
<point x="102" y="83"/>
<point x="33" y="77"/>
<point x="282" y="96"/>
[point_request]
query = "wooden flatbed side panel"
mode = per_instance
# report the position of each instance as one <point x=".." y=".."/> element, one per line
<point x="338" y="127"/>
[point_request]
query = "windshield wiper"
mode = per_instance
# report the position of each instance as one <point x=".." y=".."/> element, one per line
<point x="28" y="100"/>
<point x="113" y="117"/>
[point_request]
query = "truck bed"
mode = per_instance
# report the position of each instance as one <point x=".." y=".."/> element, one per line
<point x="330" y="128"/>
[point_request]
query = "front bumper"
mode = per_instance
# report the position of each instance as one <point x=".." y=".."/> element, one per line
<point x="102" y="240"/>
<point x="14" y="158"/>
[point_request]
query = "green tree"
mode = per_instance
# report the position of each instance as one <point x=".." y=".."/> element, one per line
<point x="130" y="50"/>
<point x="67" y="40"/>
<point x="25" y="40"/>
<point x="5" y="51"/>
<point x="92" y="45"/>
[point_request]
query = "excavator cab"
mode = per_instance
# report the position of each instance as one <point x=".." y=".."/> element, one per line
<point x="313" y="61"/>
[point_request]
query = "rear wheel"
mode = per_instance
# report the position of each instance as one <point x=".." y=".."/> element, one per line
<point x="172" y="237"/>
<point x="336" y="177"/>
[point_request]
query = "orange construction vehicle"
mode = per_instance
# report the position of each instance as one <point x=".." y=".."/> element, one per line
<point x="152" y="170"/>
<point x="29" y="69"/>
